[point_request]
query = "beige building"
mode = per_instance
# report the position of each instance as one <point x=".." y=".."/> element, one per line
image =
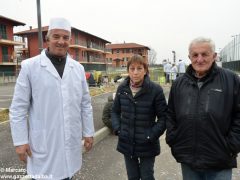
<point x="121" y="53"/>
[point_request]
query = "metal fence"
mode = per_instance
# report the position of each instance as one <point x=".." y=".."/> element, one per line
<point x="156" y="75"/>
<point x="232" y="65"/>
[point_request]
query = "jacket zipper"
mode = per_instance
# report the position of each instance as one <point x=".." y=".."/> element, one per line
<point x="195" y="128"/>
<point x="134" y="123"/>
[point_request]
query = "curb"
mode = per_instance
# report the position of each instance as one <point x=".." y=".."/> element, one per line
<point x="2" y="109"/>
<point x="98" y="136"/>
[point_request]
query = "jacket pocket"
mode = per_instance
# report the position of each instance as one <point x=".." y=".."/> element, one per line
<point x="123" y="136"/>
<point x="215" y="102"/>
<point x="38" y="142"/>
<point x="228" y="148"/>
<point x="170" y="137"/>
<point x="148" y="136"/>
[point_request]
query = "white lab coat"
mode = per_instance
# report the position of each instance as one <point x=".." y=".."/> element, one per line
<point x="174" y="72"/>
<point x="60" y="113"/>
<point x="181" y="67"/>
<point x="167" y="68"/>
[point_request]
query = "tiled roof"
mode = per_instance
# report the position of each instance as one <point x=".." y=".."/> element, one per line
<point x="45" y="28"/>
<point x="15" y="23"/>
<point x="35" y="30"/>
<point x="125" y="46"/>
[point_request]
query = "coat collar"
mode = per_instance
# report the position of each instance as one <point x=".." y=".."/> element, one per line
<point x="145" y="85"/>
<point x="46" y="62"/>
<point x="211" y="73"/>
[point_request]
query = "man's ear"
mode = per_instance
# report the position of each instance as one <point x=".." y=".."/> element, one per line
<point x="215" y="56"/>
<point x="46" y="38"/>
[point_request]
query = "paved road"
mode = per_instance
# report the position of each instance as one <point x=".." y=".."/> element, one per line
<point x="105" y="163"/>
<point x="6" y="93"/>
<point x="8" y="158"/>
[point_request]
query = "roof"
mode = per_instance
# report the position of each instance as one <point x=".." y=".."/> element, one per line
<point x="31" y="31"/>
<point x="125" y="46"/>
<point x="15" y="23"/>
<point x="45" y="28"/>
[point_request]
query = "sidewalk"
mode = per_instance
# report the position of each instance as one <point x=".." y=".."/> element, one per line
<point x="103" y="162"/>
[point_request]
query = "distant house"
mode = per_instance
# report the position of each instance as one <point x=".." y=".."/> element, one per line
<point x="8" y="58"/>
<point x="87" y="49"/>
<point x="121" y="53"/>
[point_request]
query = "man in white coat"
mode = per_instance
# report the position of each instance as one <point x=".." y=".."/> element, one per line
<point x="51" y="110"/>
<point x="181" y="67"/>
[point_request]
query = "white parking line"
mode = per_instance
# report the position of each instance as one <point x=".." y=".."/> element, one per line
<point x="4" y="122"/>
<point x="5" y="100"/>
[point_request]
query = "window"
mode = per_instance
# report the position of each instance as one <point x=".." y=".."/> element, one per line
<point x="76" y="37"/>
<point x="5" y="54"/>
<point x="77" y="55"/>
<point x="3" y="31"/>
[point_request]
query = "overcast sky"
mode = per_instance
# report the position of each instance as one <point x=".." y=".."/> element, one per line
<point x="164" y="25"/>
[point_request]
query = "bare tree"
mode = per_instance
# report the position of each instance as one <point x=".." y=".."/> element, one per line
<point x="152" y="56"/>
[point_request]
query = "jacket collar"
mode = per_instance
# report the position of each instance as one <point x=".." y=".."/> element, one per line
<point x="46" y="62"/>
<point x="190" y="72"/>
<point x="145" y="85"/>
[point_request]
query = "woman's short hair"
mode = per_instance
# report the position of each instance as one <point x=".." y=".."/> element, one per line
<point x="136" y="58"/>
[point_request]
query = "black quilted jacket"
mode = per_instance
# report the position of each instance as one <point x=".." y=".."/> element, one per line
<point x="140" y="120"/>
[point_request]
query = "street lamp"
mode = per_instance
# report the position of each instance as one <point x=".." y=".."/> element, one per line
<point x="40" y="40"/>
<point x="174" y="56"/>
<point x="233" y="36"/>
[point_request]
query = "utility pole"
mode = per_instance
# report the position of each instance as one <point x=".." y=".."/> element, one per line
<point x="40" y="39"/>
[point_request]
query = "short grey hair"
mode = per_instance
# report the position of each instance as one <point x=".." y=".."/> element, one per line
<point x="49" y="33"/>
<point x="202" y="40"/>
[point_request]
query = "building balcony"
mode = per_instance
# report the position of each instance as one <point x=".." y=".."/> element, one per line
<point x="10" y="42"/>
<point x="95" y="50"/>
<point x="78" y="46"/>
<point x="91" y="48"/>
<point x="10" y="60"/>
<point x="108" y="51"/>
<point x="93" y="60"/>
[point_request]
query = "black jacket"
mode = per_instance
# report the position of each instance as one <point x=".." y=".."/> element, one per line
<point x="135" y="119"/>
<point x="107" y="110"/>
<point x="203" y="124"/>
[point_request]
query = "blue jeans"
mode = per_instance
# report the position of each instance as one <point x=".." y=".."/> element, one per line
<point x="190" y="174"/>
<point x="140" y="168"/>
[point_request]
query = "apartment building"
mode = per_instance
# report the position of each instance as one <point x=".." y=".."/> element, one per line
<point x="8" y="57"/>
<point x="87" y="49"/>
<point x="121" y="53"/>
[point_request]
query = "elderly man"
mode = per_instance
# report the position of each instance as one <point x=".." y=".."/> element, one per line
<point x="52" y="90"/>
<point x="203" y="125"/>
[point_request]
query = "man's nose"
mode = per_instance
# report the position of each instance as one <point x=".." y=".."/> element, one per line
<point x="200" y="58"/>
<point x="61" y="40"/>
